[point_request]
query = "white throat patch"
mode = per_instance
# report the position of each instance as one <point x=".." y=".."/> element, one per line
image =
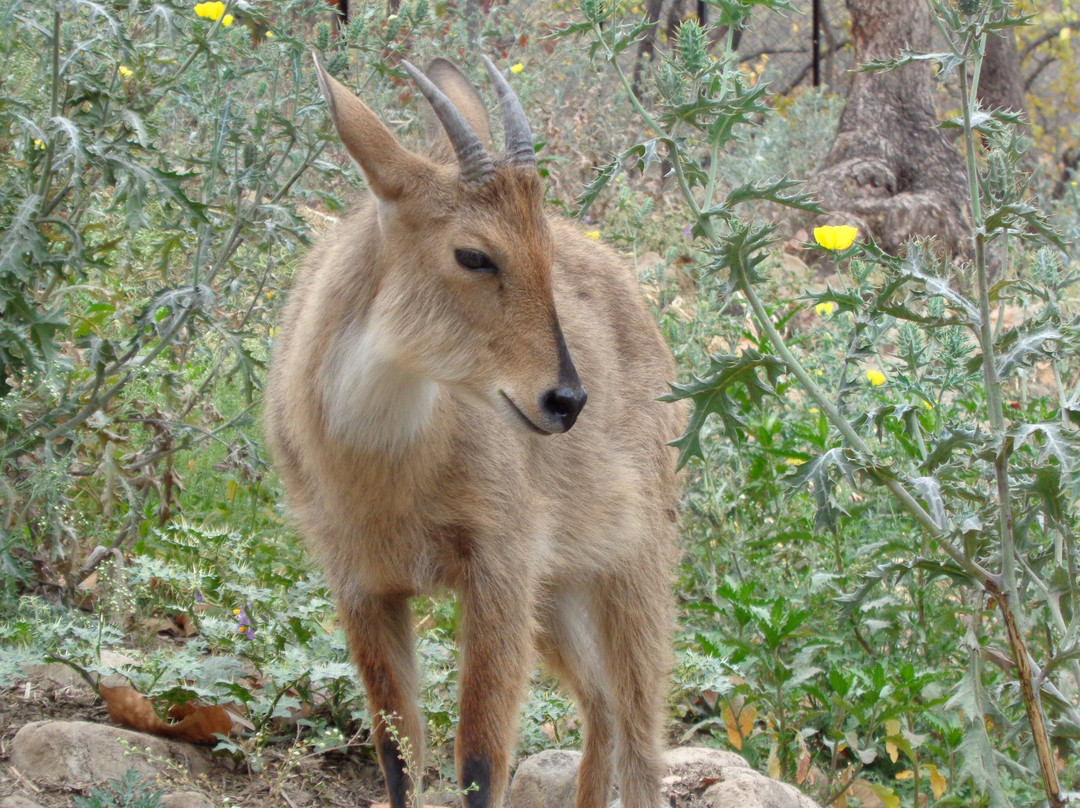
<point x="372" y="402"/>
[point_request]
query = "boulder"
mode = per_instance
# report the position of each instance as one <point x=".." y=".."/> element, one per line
<point x="80" y="754"/>
<point x="546" y="780"/>
<point x="186" y="799"/>
<point x="17" y="801"/>
<point x="697" y="777"/>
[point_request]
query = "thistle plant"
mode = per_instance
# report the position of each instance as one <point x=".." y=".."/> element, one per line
<point x="941" y="435"/>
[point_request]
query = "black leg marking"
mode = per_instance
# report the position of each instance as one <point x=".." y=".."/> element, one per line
<point x="476" y="776"/>
<point x="394" y="771"/>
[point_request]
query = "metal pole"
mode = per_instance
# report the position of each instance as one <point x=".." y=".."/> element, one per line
<point x="815" y="40"/>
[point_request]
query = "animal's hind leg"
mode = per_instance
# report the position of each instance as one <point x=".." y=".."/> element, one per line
<point x="380" y="635"/>
<point x="570" y="649"/>
<point x="633" y="611"/>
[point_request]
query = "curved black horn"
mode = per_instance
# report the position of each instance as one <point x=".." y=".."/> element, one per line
<point x="519" y="139"/>
<point x="477" y="166"/>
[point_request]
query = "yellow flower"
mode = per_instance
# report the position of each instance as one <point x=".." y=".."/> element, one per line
<point x="211" y="10"/>
<point x="876" y="377"/>
<point x="125" y="71"/>
<point x="825" y="308"/>
<point x="269" y="34"/>
<point x="517" y="68"/>
<point x="39" y="144"/>
<point x="227" y="20"/>
<point x="593" y="234"/>
<point x="836" y="237"/>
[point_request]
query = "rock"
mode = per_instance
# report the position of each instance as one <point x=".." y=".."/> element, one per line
<point x="736" y="784"/>
<point x="186" y="799"/>
<point x="61" y="675"/>
<point x="697" y="778"/>
<point x="17" y="801"/>
<point x="546" y="780"/>
<point x="80" y="754"/>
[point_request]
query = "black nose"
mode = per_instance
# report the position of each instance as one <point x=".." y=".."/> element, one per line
<point x="563" y="405"/>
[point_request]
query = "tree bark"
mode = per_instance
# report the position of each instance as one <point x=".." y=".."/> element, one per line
<point x="891" y="171"/>
<point x="1001" y="84"/>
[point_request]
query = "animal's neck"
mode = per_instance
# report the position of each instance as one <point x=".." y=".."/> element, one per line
<point x="372" y="402"/>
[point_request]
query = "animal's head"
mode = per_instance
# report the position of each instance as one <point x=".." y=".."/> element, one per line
<point x="464" y="295"/>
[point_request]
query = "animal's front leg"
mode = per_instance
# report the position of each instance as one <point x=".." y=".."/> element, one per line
<point x="497" y="643"/>
<point x="380" y="634"/>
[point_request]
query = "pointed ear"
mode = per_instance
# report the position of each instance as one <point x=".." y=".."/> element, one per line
<point x="388" y="167"/>
<point x="468" y="102"/>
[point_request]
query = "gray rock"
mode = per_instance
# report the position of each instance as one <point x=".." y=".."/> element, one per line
<point x="186" y="799"/>
<point x="546" y="780"/>
<point x="80" y="754"/>
<point x="711" y="778"/>
<point x="60" y="675"/>
<point x="17" y="801"/>
<point x="697" y="778"/>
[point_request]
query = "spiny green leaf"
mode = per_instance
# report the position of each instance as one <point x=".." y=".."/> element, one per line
<point x="900" y="569"/>
<point x="949" y="62"/>
<point x="742" y="252"/>
<point x="640" y="155"/>
<point x="822" y="474"/>
<point x="712" y="395"/>
<point x="978" y="762"/>
<point x="1017" y="347"/>
<point x="772" y="191"/>
<point x="1019" y="217"/>
<point x="1056" y="441"/>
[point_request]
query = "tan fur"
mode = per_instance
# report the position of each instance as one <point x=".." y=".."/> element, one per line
<point x="408" y="470"/>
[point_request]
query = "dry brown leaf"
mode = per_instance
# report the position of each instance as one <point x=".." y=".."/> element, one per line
<point x="129" y="708"/>
<point x="185" y="626"/>
<point x="739" y="726"/>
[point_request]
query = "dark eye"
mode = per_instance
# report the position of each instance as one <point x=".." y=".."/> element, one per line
<point x="475" y="261"/>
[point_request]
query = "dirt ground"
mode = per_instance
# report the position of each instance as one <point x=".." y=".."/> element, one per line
<point x="330" y="779"/>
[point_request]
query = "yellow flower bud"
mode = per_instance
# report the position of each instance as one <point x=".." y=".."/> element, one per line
<point x="876" y="377"/>
<point x="517" y="68"/>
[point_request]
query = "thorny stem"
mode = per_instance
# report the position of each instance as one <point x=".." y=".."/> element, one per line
<point x="1007" y="596"/>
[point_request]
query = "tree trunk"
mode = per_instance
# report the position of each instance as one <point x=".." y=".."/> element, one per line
<point x="1001" y="84"/>
<point x="890" y="171"/>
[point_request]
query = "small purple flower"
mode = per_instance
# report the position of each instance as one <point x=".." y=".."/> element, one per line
<point x="243" y="623"/>
<point x="199" y="596"/>
<point x="688" y="231"/>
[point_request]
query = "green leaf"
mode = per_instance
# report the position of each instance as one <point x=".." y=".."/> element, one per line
<point x="772" y="191"/>
<point x="640" y="156"/>
<point x="1017" y="347"/>
<point x="1019" y="217"/>
<point x="712" y="394"/>
<point x="1056" y="442"/>
<point x="822" y="474"/>
<point x="901" y="569"/>
<point x="949" y="62"/>
<point x="978" y="762"/>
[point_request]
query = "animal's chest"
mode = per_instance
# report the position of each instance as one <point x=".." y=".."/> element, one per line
<point x="406" y="539"/>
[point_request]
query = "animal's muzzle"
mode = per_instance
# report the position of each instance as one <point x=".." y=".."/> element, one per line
<point x="562" y="405"/>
